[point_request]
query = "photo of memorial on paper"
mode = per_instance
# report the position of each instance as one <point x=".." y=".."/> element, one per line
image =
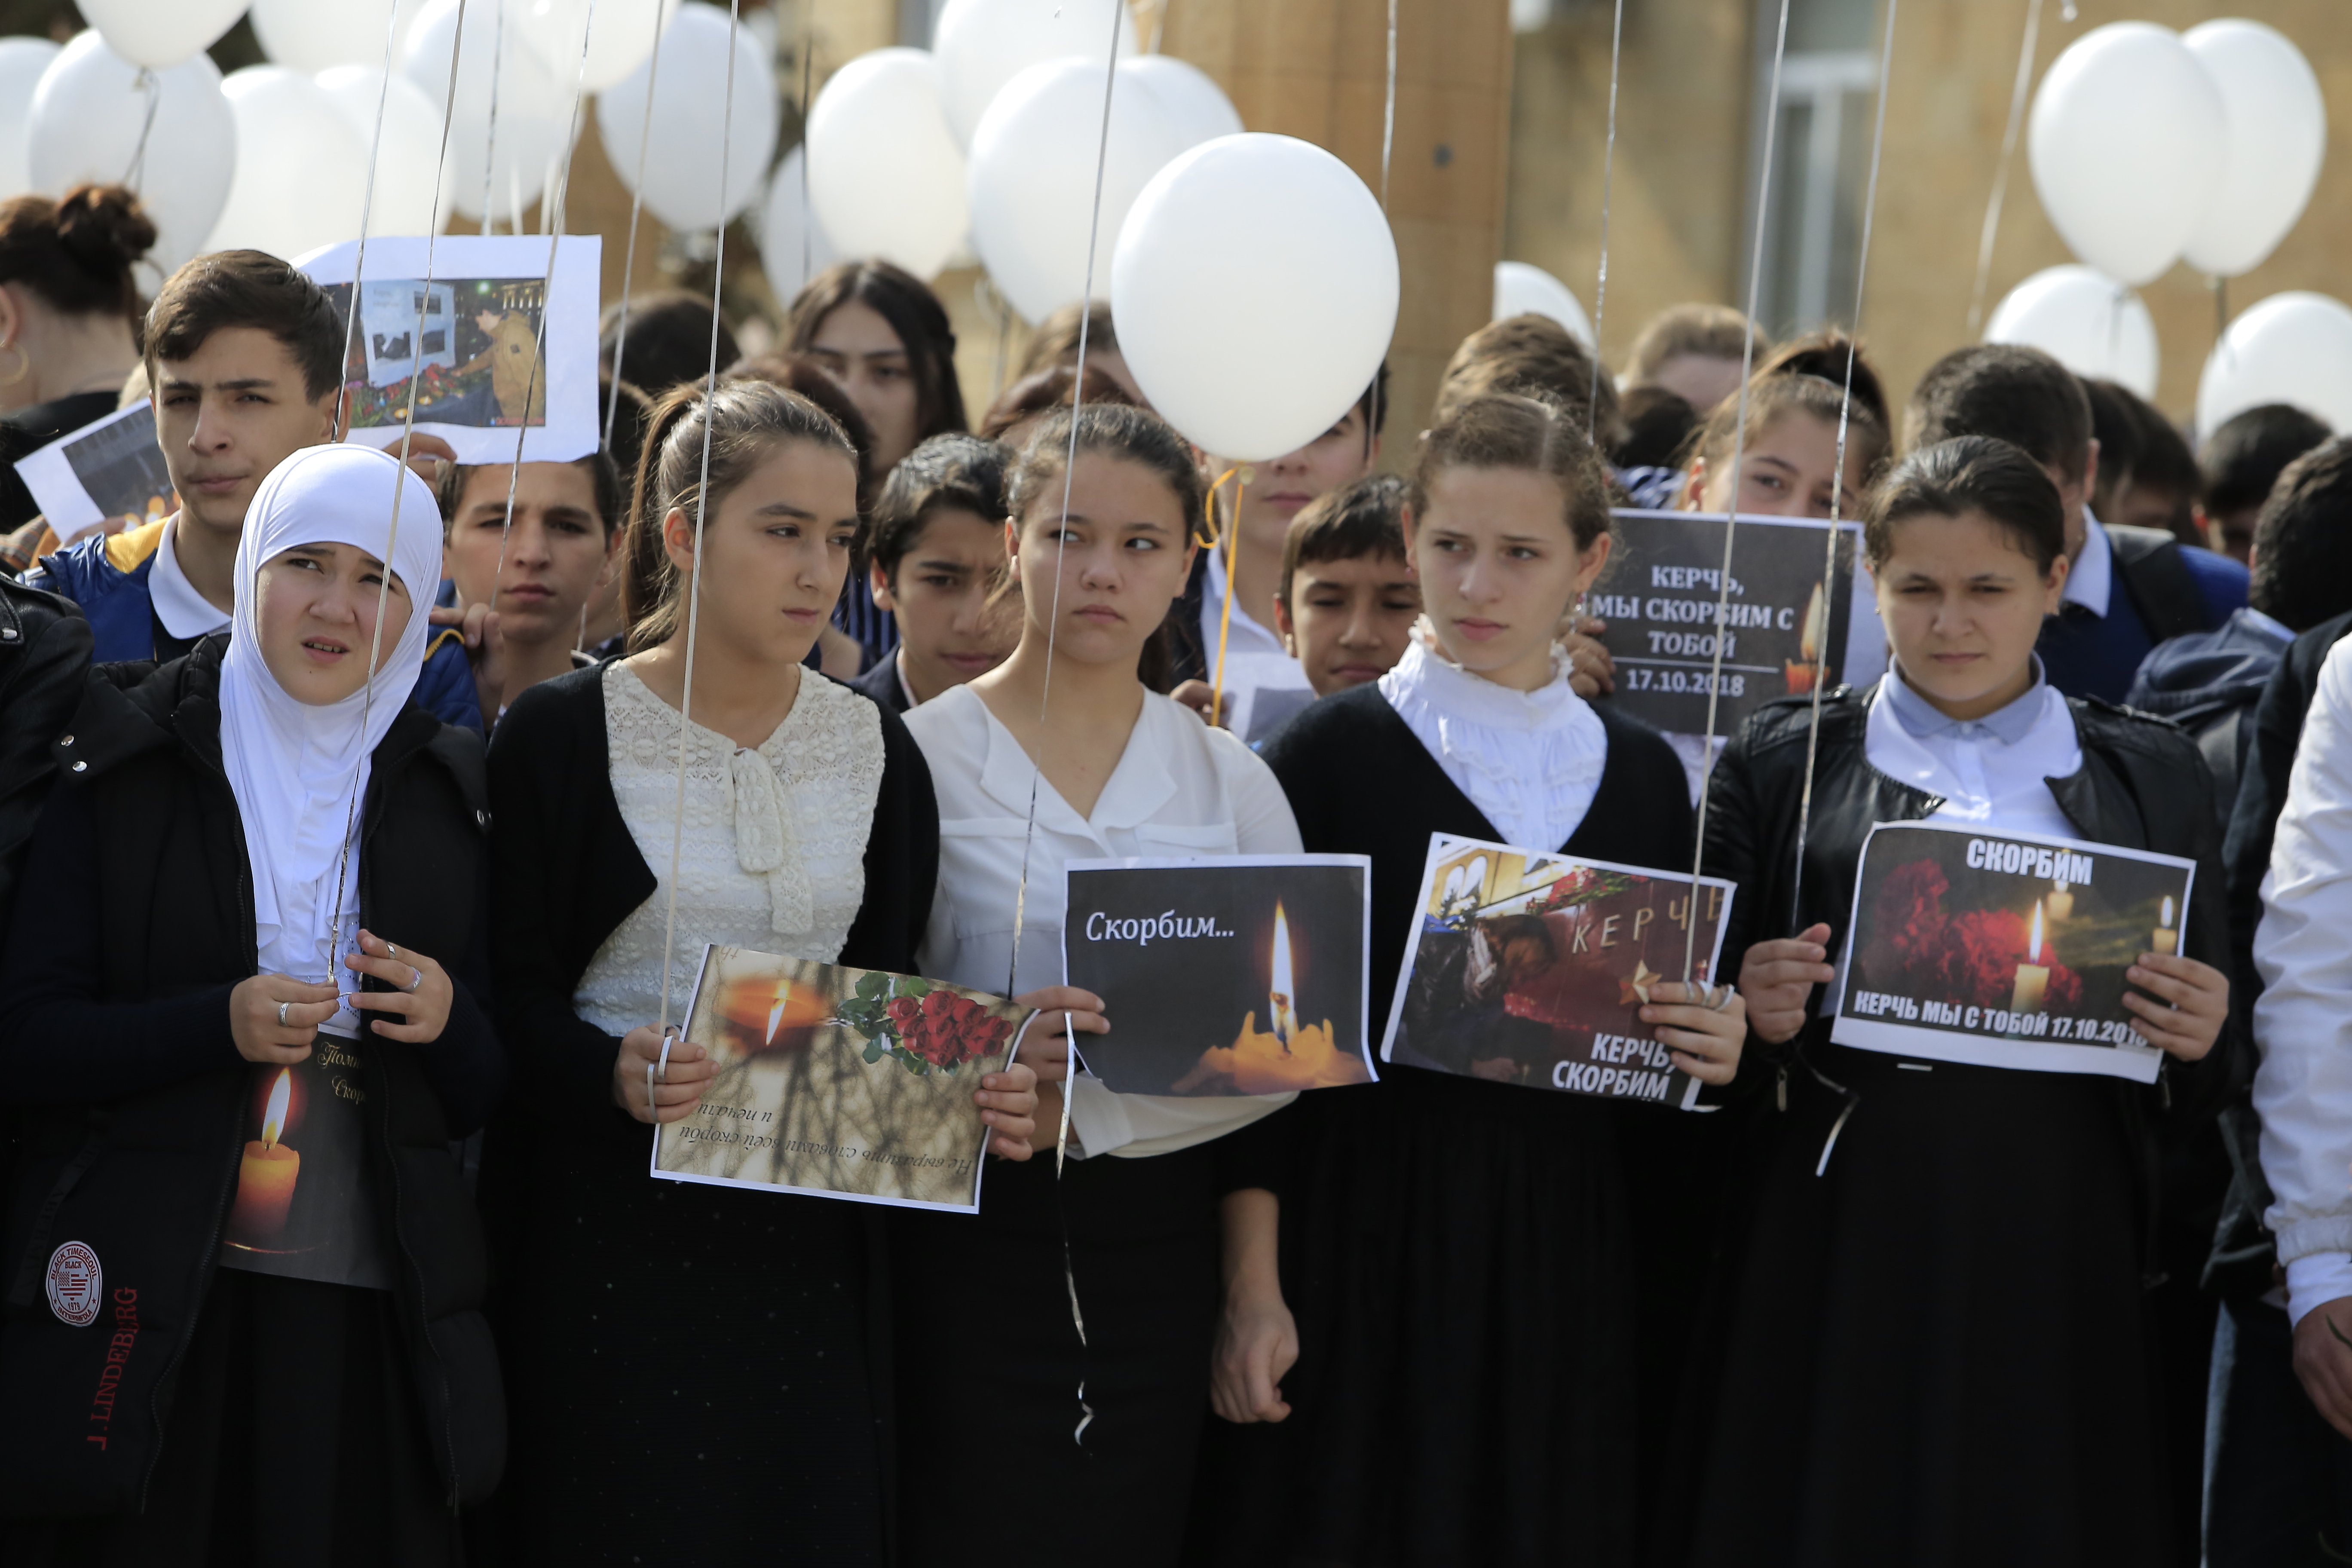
<point x="2006" y="950"/>
<point x="839" y="1082"/>
<point x="1533" y="969"/>
<point x="109" y="474"/>
<point x="473" y="340"/>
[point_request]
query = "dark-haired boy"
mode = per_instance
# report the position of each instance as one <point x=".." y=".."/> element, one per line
<point x="2130" y="588"/>
<point x="244" y="355"/>
<point x="937" y="549"/>
<point x="2241" y="459"/>
<point x="1347" y="601"/>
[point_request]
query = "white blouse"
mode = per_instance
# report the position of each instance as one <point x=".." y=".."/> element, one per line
<point x="1180" y="789"/>
<point x="1530" y="761"/>
<point x="1993" y="773"/>
<point x="774" y="853"/>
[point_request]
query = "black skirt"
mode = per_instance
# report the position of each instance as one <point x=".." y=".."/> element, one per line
<point x="1459" y="1260"/>
<point x="1934" y="1351"/>
<point x="694" y="1374"/>
<point x="293" y="1441"/>
<point x="991" y="1366"/>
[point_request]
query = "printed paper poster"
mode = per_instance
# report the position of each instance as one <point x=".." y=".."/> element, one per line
<point x="109" y="474"/>
<point x="2006" y="950"/>
<point x="1533" y="969"/>
<point x="486" y="341"/>
<point x="846" y="1083"/>
<point x="1783" y="635"/>
<point x="1242" y="974"/>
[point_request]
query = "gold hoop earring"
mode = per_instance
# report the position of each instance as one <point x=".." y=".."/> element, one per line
<point x="24" y="365"/>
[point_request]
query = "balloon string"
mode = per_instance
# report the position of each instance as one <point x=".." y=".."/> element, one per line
<point x="399" y="494"/>
<point x="153" y="87"/>
<point x="1837" y="479"/>
<point x="1739" y="456"/>
<point x="553" y="202"/>
<point x="808" y="213"/>
<point x="636" y="209"/>
<point x="1225" y="619"/>
<point x="367" y="211"/>
<point x="1388" y="115"/>
<point x="2018" y="92"/>
<point x="1607" y="185"/>
<point x="490" y="137"/>
<point x="701" y="534"/>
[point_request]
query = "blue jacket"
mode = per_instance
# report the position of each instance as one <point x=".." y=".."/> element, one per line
<point x="106" y="574"/>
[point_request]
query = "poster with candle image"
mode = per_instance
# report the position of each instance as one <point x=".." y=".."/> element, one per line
<point x="1241" y="974"/>
<point x="2006" y="950"/>
<point x="844" y="1083"/>
<point x="1533" y="969"/>
<point x="304" y="1203"/>
<point x="1784" y="634"/>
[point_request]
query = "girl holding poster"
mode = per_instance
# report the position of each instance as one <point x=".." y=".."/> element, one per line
<point x="725" y="1347"/>
<point x="241" y="1028"/>
<point x="1462" y="1255"/>
<point x="1934" y="1329"/>
<point x="1030" y="775"/>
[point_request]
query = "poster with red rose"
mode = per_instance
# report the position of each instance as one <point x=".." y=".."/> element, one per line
<point x="846" y="1083"/>
<point x="2006" y="950"/>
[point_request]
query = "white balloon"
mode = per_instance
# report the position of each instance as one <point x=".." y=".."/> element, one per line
<point x="160" y="33"/>
<point x="403" y="159"/>
<point x="534" y="114"/>
<point x="2293" y="348"/>
<point x="619" y="36"/>
<point x="984" y="44"/>
<point x="1196" y="106"/>
<point x="690" y="113"/>
<point x="1524" y="289"/>
<point x="1033" y="180"/>
<point x="789" y="232"/>
<point x="2126" y="146"/>
<point x="300" y="166"/>
<point x="320" y="34"/>
<point x="2278" y="136"/>
<point x="1246" y="253"/>
<point x="22" y="61"/>
<point x="886" y="176"/>
<point x="88" y="112"/>
<point x="2085" y="320"/>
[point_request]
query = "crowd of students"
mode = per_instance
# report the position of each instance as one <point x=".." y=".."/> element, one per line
<point x="1869" y="1311"/>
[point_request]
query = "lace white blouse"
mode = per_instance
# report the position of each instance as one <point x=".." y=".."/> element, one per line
<point x="774" y="852"/>
<point x="1530" y="761"/>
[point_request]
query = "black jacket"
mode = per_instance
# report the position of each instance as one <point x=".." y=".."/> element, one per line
<point x="114" y="1041"/>
<point x="44" y="664"/>
<point x="882" y="684"/>
<point x="2142" y="785"/>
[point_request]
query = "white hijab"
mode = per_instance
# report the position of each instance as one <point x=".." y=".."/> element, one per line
<point x="296" y="769"/>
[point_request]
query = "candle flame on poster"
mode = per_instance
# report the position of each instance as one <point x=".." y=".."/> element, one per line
<point x="2033" y="945"/>
<point x="1283" y="1014"/>
<point x="273" y="1119"/>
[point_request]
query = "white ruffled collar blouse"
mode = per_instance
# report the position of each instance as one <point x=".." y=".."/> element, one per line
<point x="1530" y="761"/>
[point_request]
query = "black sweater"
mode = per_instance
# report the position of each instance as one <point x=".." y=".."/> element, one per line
<point x="134" y="924"/>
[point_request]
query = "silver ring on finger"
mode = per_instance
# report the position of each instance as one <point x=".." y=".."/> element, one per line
<point x="416" y="978"/>
<point x="390" y="951"/>
<point x="1721" y="996"/>
<point x="281" y="1014"/>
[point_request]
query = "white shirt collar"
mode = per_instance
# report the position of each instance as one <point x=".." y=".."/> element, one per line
<point x="185" y="614"/>
<point x="1530" y="761"/>
<point x="2093" y="581"/>
<point x="898" y="669"/>
<point x="1247" y="634"/>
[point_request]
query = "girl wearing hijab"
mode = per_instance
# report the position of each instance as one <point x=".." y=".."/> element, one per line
<point x="243" y="1274"/>
<point x="714" y="1381"/>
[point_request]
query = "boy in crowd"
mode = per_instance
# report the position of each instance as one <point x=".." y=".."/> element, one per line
<point x="245" y="356"/>
<point x="559" y="552"/>
<point x="936" y="554"/>
<point x="1694" y="351"/>
<point x="2147" y="478"/>
<point x="2128" y="588"/>
<point x="2301" y="563"/>
<point x="1347" y="601"/>
<point x="2241" y="460"/>
<point x="1255" y="657"/>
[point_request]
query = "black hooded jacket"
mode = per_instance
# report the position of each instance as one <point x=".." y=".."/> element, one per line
<point x="134" y="924"/>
